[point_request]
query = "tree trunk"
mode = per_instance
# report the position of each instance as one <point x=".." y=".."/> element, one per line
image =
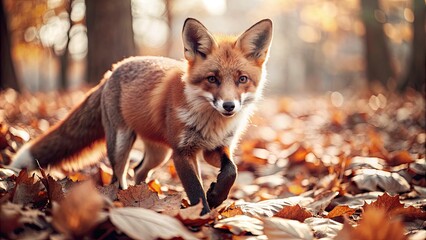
<point x="415" y="76"/>
<point x="8" y="77"/>
<point x="110" y="35"/>
<point x="377" y="57"/>
<point x="64" y="57"/>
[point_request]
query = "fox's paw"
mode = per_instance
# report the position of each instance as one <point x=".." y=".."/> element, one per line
<point x="213" y="197"/>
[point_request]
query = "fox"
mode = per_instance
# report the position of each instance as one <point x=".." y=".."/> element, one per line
<point x="187" y="111"/>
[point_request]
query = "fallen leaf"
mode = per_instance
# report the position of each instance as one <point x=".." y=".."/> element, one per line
<point x="109" y="191"/>
<point x="79" y="212"/>
<point x="53" y="188"/>
<point x="241" y="224"/>
<point x="321" y="201"/>
<point x="190" y="216"/>
<point x="372" y="180"/>
<point x="278" y="228"/>
<point x="393" y="207"/>
<point x="340" y="211"/>
<point x="268" y="208"/>
<point x="385" y="202"/>
<point x="9" y="218"/>
<point x="323" y="227"/>
<point x="142" y="196"/>
<point x="231" y="211"/>
<point x="27" y="189"/>
<point x="374" y="225"/>
<point x="366" y="162"/>
<point x="400" y="157"/>
<point x="356" y="201"/>
<point x="16" y="218"/>
<point x="140" y="223"/>
<point x="293" y="212"/>
<point x="155" y="186"/>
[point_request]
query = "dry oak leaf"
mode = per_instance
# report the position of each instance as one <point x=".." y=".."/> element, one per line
<point x="191" y="216"/>
<point x="278" y="228"/>
<point x="141" y="223"/>
<point x="293" y="212"/>
<point x="373" y="226"/>
<point x="241" y="224"/>
<point x="393" y="207"/>
<point x="340" y="210"/>
<point x="79" y="211"/>
<point x="373" y="180"/>
<point x="142" y="196"/>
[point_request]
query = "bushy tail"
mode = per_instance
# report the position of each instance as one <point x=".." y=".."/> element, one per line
<point x="79" y="132"/>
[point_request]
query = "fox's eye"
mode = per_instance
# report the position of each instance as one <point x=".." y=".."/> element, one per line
<point x="212" y="79"/>
<point x="242" y="79"/>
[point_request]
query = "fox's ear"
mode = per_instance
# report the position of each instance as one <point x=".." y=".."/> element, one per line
<point x="197" y="40"/>
<point x="256" y="40"/>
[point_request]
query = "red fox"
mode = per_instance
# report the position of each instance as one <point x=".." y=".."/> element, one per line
<point x="184" y="110"/>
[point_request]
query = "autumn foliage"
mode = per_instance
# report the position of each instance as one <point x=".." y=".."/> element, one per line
<point x="317" y="167"/>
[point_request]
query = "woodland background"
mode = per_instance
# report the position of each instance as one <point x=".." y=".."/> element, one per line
<point x="335" y="150"/>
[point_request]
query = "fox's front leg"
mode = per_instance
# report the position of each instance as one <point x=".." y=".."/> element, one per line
<point x="186" y="165"/>
<point x="218" y="192"/>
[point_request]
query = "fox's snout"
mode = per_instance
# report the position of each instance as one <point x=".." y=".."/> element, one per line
<point x="227" y="108"/>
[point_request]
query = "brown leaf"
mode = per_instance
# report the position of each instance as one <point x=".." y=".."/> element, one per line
<point x="241" y="224"/>
<point x="53" y="188"/>
<point x="109" y="191"/>
<point x="340" y="211"/>
<point x="393" y="207"/>
<point x="231" y="211"/>
<point x="293" y="212"/>
<point x="27" y="189"/>
<point x="374" y="225"/>
<point x="140" y="223"/>
<point x="142" y="196"/>
<point x="191" y="216"/>
<point x="80" y="211"/>
<point x="400" y="157"/>
<point x="279" y="228"/>
<point x="385" y="202"/>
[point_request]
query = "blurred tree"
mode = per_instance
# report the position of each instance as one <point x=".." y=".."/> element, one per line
<point x="7" y="71"/>
<point x="110" y="35"/>
<point x="415" y="76"/>
<point x="378" y="61"/>
<point x="64" y="57"/>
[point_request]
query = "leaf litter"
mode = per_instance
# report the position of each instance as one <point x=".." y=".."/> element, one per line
<point x="308" y="170"/>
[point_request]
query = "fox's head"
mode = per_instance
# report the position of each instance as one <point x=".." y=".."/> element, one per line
<point x="227" y="72"/>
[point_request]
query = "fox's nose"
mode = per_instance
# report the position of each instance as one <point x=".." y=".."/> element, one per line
<point x="229" y="106"/>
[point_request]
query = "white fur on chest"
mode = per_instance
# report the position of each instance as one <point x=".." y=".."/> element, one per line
<point x="207" y="129"/>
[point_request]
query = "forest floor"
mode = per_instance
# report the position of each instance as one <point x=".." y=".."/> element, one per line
<point x="330" y="166"/>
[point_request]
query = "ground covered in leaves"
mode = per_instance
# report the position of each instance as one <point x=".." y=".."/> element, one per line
<point x="333" y="166"/>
